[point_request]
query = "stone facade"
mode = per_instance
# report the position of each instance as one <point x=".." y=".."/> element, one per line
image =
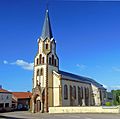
<point x="52" y="87"/>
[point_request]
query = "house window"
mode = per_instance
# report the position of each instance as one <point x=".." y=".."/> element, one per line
<point x="74" y="88"/>
<point x="50" y="60"/>
<point x="1" y="105"/>
<point x="6" y="104"/>
<point x="65" y="92"/>
<point x="41" y="72"/>
<point x="38" y="72"/>
<point x="46" y="46"/>
<point x="40" y="59"/>
<point x="7" y="97"/>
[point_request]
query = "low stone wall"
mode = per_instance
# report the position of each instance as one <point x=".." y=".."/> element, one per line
<point x="91" y="109"/>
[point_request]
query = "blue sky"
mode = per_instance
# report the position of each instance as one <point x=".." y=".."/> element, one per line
<point x="87" y="36"/>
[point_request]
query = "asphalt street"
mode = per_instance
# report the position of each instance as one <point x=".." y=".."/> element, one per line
<point x="29" y="115"/>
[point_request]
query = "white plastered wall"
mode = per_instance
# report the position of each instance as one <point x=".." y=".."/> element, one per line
<point x="6" y="98"/>
<point x="56" y="88"/>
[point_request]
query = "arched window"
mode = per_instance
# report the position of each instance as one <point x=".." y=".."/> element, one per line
<point x="46" y="46"/>
<point x="40" y="59"/>
<point x="37" y="72"/>
<point x="74" y="88"/>
<point x="78" y="95"/>
<point x="71" y="95"/>
<point x="65" y="92"/>
<point x="86" y="96"/>
<point x="78" y="92"/>
<point x="43" y="60"/>
<point x="37" y="62"/>
<point x="41" y="72"/>
<point x="101" y="95"/>
<point x="81" y="92"/>
<point x="52" y="59"/>
<point x="86" y="92"/>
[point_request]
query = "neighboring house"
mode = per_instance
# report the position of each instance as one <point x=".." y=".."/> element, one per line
<point x="21" y="100"/>
<point x="5" y="100"/>
<point x="109" y="97"/>
<point x="53" y="87"/>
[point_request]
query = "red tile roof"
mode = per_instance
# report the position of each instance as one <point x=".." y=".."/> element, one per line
<point x="22" y="95"/>
<point x="4" y="91"/>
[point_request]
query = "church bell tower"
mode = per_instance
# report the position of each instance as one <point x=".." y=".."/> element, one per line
<point x="45" y="62"/>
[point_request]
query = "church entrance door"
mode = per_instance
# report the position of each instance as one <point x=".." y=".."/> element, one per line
<point x="38" y="106"/>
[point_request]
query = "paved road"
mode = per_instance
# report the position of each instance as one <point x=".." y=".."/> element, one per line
<point x="28" y="115"/>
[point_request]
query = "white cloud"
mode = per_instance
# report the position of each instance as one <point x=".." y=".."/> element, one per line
<point x="117" y="69"/>
<point x="23" y="64"/>
<point x="81" y="66"/>
<point x="5" y="62"/>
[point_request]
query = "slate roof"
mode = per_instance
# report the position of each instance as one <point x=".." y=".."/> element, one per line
<point x="81" y="79"/>
<point x="46" y="31"/>
<point x="22" y="95"/>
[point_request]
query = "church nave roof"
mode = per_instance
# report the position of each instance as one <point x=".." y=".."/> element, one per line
<point x="81" y="79"/>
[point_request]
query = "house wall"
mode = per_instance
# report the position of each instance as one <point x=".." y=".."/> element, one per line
<point x="5" y="98"/>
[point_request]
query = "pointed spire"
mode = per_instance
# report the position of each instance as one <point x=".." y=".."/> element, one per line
<point x="46" y="31"/>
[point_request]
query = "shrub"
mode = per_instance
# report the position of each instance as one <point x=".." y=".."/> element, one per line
<point x="108" y="104"/>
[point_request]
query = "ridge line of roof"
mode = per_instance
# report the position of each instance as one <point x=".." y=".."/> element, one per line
<point x="86" y="79"/>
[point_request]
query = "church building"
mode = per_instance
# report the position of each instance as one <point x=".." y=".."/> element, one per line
<point x="53" y="87"/>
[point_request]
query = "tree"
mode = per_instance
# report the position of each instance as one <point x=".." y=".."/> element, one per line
<point x="116" y="95"/>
